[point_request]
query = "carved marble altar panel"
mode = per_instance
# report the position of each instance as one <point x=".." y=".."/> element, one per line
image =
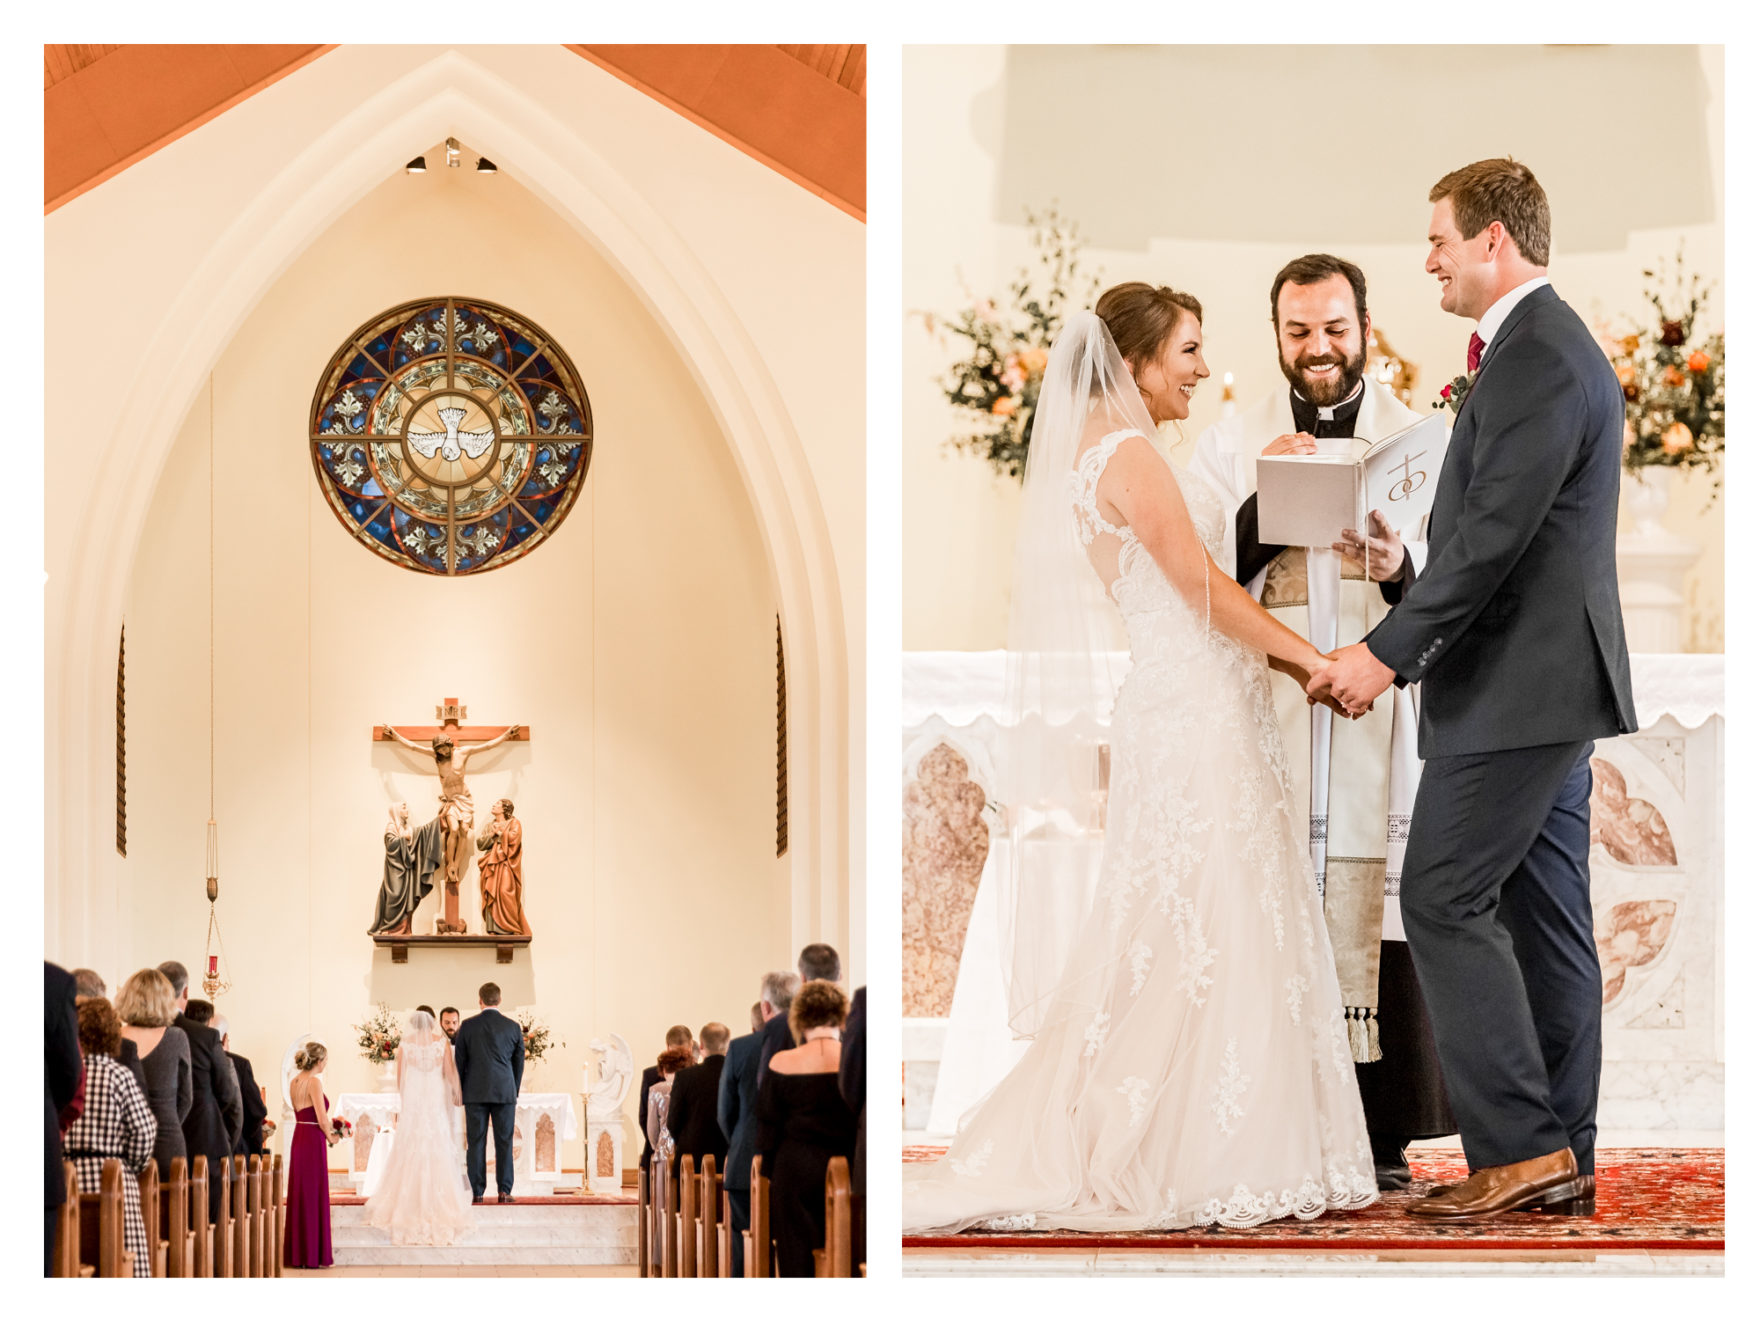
<point x="946" y="839"/>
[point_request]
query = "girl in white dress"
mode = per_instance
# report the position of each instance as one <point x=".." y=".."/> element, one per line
<point x="1189" y="1062"/>
<point x="423" y="1196"/>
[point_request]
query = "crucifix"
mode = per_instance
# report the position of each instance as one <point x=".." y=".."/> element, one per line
<point x="457" y="815"/>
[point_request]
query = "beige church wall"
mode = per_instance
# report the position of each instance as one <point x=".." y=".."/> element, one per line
<point x="987" y="131"/>
<point x="638" y="644"/>
<point x="751" y="285"/>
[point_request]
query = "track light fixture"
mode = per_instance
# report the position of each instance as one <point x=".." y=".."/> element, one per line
<point x="452" y="153"/>
<point x="486" y="166"/>
<point x="417" y="166"/>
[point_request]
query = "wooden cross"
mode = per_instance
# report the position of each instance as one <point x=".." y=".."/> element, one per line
<point x="449" y="712"/>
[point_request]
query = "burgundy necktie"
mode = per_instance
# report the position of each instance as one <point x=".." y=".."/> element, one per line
<point x="1475" y="347"/>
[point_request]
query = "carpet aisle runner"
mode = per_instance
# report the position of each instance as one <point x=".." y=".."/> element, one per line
<point x="1646" y="1199"/>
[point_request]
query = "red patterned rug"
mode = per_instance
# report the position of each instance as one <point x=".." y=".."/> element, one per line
<point x="1646" y="1199"/>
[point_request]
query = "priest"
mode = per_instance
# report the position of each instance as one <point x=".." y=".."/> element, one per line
<point x="1358" y="778"/>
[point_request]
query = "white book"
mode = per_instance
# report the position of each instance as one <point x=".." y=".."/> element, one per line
<point x="1308" y="499"/>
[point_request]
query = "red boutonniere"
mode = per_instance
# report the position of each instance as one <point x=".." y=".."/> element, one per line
<point x="1454" y="394"/>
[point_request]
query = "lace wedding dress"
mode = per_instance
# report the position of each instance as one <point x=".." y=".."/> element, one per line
<point x="423" y="1197"/>
<point x="1191" y="1066"/>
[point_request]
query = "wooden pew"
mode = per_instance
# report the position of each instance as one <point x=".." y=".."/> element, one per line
<point x="172" y="1212"/>
<point x="241" y="1220"/>
<point x="277" y="1227"/>
<point x="832" y="1261"/>
<point x="158" y="1246"/>
<point x="724" y="1230"/>
<point x="708" y="1221"/>
<point x="221" y="1172"/>
<point x="202" y="1231"/>
<point x="67" y="1233"/>
<point x="101" y="1242"/>
<point x="644" y="1227"/>
<point x="253" y="1181"/>
<point x="757" y="1237"/>
<point x="668" y="1233"/>
<point x="687" y="1225"/>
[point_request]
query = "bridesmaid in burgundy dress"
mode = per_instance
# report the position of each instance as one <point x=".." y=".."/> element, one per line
<point x="308" y="1171"/>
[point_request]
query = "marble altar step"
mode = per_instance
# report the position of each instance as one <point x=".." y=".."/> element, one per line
<point x="500" y="1235"/>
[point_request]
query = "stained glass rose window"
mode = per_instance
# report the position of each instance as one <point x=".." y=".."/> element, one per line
<point x="450" y="435"/>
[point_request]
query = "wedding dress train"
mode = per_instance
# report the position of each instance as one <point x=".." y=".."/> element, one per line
<point x="423" y="1196"/>
<point x="1192" y="1065"/>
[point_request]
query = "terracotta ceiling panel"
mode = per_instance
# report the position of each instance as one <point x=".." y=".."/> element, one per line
<point x="770" y="102"/>
<point x="74" y="146"/>
<point x="140" y="94"/>
<point x="62" y="62"/>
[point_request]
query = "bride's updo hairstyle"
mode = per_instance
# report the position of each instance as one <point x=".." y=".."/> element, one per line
<point x="310" y="1055"/>
<point x="1141" y="317"/>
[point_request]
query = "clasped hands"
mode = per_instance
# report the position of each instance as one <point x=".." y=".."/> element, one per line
<point x="1348" y="680"/>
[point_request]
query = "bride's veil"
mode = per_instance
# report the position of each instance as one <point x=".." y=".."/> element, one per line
<point x="1066" y="658"/>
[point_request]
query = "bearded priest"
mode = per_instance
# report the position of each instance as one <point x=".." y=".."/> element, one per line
<point x="1359" y="777"/>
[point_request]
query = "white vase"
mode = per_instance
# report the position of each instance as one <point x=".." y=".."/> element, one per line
<point x="1647" y="491"/>
<point x="387" y="1076"/>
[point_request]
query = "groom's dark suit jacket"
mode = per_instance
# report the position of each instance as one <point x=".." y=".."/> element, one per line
<point x="1514" y="625"/>
<point x="490" y="1053"/>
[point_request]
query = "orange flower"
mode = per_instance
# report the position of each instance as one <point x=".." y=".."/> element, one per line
<point x="1005" y="406"/>
<point x="1677" y="439"/>
<point x="1698" y="362"/>
<point x="1630" y="343"/>
<point x="1033" y="359"/>
<point x="1673" y="378"/>
<point x="1626" y="372"/>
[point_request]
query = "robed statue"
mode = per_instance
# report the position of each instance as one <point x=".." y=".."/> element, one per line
<point x="499" y="872"/>
<point x="411" y="858"/>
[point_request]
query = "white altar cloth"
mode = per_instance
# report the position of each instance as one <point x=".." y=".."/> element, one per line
<point x="1663" y="1063"/>
<point x="374" y="1116"/>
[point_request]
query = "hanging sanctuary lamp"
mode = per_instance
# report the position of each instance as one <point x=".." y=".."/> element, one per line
<point x="214" y="980"/>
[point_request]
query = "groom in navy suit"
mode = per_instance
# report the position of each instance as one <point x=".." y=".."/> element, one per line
<point x="1514" y="627"/>
<point x="489" y="1051"/>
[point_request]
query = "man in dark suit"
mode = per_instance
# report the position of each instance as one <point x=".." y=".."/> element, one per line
<point x="818" y="962"/>
<point x="691" y="1112"/>
<point x="736" y="1109"/>
<point x="1514" y="627"/>
<point x="677" y="1038"/>
<point x="216" y="1115"/>
<point x="490" y="1053"/>
<point x="250" y="1140"/>
<point x="852" y="1084"/>
<point x="63" y="1066"/>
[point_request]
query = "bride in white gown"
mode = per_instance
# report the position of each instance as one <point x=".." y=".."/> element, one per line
<point x="423" y="1196"/>
<point x="1189" y="1062"/>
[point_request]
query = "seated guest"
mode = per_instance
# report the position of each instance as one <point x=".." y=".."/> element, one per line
<point x="87" y="984"/>
<point x="216" y="1114"/>
<point x="146" y="1007"/>
<point x="676" y="1038"/>
<point x="803" y="1124"/>
<point x="63" y="1070"/>
<point x="116" y="1124"/>
<point x="668" y="1065"/>
<point x="736" y="1109"/>
<point x="758" y="1016"/>
<point x="690" y="1111"/>
<point x="818" y="962"/>
<point x="250" y="1141"/>
<point x="852" y="1081"/>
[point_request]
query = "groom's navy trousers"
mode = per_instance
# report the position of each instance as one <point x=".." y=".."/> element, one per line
<point x="477" y="1119"/>
<point x="1495" y="900"/>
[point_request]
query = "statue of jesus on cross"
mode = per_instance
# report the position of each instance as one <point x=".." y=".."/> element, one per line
<point x="457" y="814"/>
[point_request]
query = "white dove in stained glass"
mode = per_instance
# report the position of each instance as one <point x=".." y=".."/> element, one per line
<point x="452" y="441"/>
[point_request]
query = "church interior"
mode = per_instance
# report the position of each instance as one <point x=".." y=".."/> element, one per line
<point x="1262" y="154"/>
<point x="634" y="276"/>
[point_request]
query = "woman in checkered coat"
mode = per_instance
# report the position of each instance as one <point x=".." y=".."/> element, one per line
<point x="115" y="1124"/>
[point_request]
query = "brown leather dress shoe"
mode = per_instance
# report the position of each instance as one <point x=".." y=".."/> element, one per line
<point x="1580" y="1204"/>
<point x="1503" y="1187"/>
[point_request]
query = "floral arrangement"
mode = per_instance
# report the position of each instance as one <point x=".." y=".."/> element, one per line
<point x="340" y="1130"/>
<point x="1673" y="386"/>
<point x="996" y="386"/>
<point x="1454" y="394"/>
<point x="380" y="1036"/>
<point x="537" y="1035"/>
